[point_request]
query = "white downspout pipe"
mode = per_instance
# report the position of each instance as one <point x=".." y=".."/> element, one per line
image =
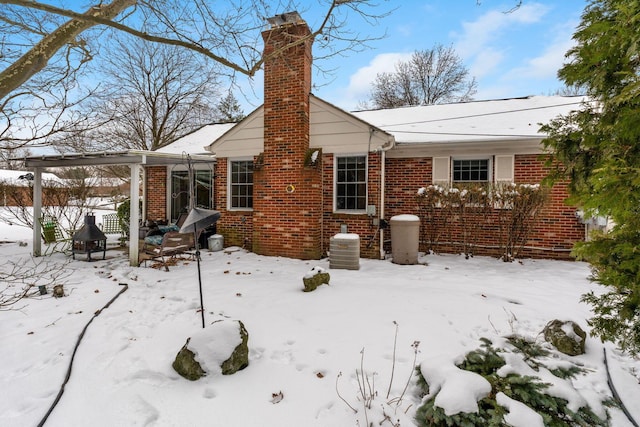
<point x="383" y="160"/>
<point x="383" y="157"/>
<point x="37" y="211"/>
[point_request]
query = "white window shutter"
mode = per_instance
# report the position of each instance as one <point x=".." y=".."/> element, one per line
<point x="441" y="170"/>
<point x="504" y="168"/>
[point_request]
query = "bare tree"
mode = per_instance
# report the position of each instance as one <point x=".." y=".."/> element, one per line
<point x="65" y="200"/>
<point x="432" y="76"/>
<point x="45" y="49"/>
<point x="153" y="94"/>
<point x="39" y="108"/>
<point x="570" y="90"/>
<point x="226" y="33"/>
<point x="25" y="278"/>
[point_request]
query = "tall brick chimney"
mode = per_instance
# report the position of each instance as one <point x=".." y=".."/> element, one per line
<point x="287" y="205"/>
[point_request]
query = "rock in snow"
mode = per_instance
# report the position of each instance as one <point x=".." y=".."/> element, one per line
<point x="220" y="348"/>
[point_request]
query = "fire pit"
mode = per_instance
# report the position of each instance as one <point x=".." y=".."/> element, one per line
<point x="89" y="239"/>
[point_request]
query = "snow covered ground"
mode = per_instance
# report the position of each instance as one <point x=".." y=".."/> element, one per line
<point x="306" y="346"/>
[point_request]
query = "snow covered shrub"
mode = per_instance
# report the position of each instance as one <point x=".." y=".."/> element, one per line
<point x="518" y="395"/>
<point x="468" y="213"/>
<point x="518" y="208"/>
<point x="470" y="205"/>
<point x="432" y="218"/>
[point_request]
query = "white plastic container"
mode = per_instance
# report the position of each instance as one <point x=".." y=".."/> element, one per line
<point x="215" y="242"/>
<point x="405" y="234"/>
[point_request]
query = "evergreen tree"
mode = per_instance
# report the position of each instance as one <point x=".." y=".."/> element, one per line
<point x="598" y="150"/>
<point x="229" y="109"/>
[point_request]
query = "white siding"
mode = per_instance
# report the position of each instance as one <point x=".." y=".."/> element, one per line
<point x="332" y="129"/>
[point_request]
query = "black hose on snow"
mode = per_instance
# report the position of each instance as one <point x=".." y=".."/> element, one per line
<point x="615" y="394"/>
<point x="73" y="355"/>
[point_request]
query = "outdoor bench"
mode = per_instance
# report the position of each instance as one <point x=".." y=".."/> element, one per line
<point x="172" y="243"/>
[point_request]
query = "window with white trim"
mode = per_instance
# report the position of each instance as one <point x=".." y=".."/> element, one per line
<point x="241" y="184"/>
<point x="351" y="183"/>
<point x="448" y="170"/>
<point x="471" y="170"/>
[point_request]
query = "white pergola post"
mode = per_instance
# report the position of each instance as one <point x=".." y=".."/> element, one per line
<point x="134" y="216"/>
<point x="37" y="211"/>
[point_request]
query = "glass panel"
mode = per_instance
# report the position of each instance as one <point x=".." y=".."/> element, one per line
<point x="202" y="188"/>
<point x="351" y="185"/>
<point x="242" y="184"/>
<point x="179" y="193"/>
<point x="471" y="170"/>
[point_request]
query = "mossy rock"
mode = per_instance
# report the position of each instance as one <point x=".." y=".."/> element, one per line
<point x="240" y="357"/>
<point x="315" y="278"/>
<point x="186" y="364"/>
<point x="214" y="352"/>
<point x="566" y="336"/>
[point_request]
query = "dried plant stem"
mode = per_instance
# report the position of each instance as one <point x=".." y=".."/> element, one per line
<point x="355" y="411"/>
<point x="393" y="364"/>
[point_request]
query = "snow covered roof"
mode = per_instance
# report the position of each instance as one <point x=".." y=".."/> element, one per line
<point x="13" y="177"/>
<point x="493" y="120"/>
<point x="466" y="122"/>
<point x="195" y="142"/>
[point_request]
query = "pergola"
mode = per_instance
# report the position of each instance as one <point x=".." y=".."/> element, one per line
<point x="135" y="159"/>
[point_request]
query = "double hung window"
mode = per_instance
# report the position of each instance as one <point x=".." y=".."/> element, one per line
<point x="241" y="184"/>
<point x="351" y="183"/>
<point x="474" y="170"/>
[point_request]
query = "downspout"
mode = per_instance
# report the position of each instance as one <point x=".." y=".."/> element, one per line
<point x="383" y="157"/>
<point x="383" y="160"/>
<point x="37" y="211"/>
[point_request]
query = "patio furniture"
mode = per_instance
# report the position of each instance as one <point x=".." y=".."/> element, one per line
<point x="171" y="245"/>
<point x="54" y="235"/>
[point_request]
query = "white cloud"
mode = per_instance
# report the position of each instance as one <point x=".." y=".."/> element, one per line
<point x="360" y="82"/>
<point x="485" y="62"/>
<point x="543" y="66"/>
<point x="547" y="64"/>
<point x="478" y="35"/>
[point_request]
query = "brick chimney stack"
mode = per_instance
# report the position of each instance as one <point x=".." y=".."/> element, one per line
<point x="287" y="210"/>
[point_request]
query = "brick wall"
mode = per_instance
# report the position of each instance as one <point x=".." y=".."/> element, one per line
<point x="235" y="226"/>
<point x="156" y="188"/>
<point x="557" y="227"/>
<point x="403" y="179"/>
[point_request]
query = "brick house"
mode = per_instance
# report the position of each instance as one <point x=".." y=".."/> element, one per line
<point x="298" y="170"/>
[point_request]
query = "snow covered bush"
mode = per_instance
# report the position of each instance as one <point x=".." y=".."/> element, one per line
<point x="467" y="216"/>
<point x="518" y="208"/>
<point x="508" y="386"/>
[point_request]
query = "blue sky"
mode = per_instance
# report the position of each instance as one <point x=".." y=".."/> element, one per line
<point x="510" y="54"/>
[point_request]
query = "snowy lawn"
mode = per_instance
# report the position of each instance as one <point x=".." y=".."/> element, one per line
<point x="302" y="345"/>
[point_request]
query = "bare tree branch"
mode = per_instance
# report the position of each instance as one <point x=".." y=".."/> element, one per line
<point x="38" y="57"/>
